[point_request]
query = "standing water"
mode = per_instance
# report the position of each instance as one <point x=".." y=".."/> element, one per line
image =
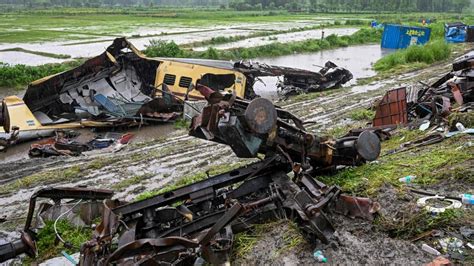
<point x="357" y="59"/>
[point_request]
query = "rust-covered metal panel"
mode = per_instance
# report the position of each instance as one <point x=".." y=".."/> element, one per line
<point x="392" y="109"/>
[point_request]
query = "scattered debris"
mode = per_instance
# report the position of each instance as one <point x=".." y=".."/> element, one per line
<point x="430" y="250"/>
<point x="423" y="202"/>
<point x="454" y="92"/>
<point x="12" y="139"/>
<point x="407" y="179"/>
<point x="198" y="221"/>
<point x="66" y="143"/>
<point x="451" y="245"/>
<point x="298" y="81"/>
<point x="467" y="199"/>
<point x="467" y="232"/>
<point x="82" y="213"/>
<point x="318" y="255"/>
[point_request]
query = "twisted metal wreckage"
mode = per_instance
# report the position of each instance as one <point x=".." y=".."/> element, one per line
<point x="453" y="92"/>
<point x="198" y="221"/>
<point x="122" y="87"/>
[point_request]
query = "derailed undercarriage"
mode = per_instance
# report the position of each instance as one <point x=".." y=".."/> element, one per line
<point x="199" y="221"/>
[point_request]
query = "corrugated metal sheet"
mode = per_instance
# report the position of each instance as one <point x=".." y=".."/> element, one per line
<point x="392" y="109"/>
<point x="399" y="36"/>
<point x="412" y="93"/>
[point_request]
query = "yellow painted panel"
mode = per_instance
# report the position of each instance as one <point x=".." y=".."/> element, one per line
<point x="20" y="115"/>
<point x="195" y="72"/>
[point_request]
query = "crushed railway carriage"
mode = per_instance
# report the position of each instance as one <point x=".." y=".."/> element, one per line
<point x="121" y="86"/>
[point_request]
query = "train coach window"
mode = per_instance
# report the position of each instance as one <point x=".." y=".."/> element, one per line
<point x="184" y="82"/>
<point x="169" y="79"/>
<point x="218" y="82"/>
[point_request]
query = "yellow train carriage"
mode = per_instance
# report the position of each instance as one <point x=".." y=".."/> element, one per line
<point x="178" y="74"/>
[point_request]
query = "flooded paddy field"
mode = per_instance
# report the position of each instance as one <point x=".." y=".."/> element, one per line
<point x="85" y="39"/>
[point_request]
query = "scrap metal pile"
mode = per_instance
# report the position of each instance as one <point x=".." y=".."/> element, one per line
<point x="198" y="221"/>
<point x="454" y="92"/>
<point x="298" y="81"/>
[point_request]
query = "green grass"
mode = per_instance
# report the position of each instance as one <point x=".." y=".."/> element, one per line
<point x="55" y="176"/>
<point x="430" y="164"/>
<point x="362" y="114"/>
<point x="130" y="181"/>
<point x="88" y="23"/>
<point x="85" y="24"/>
<point x="182" y="124"/>
<point x="270" y="34"/>
<point x="74" y="235"/>
<point x="291" y="239"/>
<point x="416" y="54"/>
<point x="171" y="49"/>
<point x="414" y="222"/>
<point x="20" y="75"/>
<point x="46" y="177"/>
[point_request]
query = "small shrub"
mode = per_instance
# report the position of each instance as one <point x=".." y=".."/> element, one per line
<point x="160" y="48"/>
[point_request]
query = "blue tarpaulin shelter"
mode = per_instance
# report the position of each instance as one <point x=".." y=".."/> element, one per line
<point x="455" y="32"/>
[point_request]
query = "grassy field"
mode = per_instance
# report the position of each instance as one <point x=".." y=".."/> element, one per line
<point x="81" y="24"/>
<point x="87" y="23"/>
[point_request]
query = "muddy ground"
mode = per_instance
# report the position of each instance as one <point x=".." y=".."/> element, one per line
<point x="163" y="155"/>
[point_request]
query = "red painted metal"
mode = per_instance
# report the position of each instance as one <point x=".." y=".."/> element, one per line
<point x="392" y="109"/>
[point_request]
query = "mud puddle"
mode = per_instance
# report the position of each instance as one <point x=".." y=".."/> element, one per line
<point x="357" y="59"/>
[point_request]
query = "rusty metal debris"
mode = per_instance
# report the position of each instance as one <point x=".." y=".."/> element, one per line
<point x="453" y="92"/>
<point x="122" y="87"/>
<point x="86" y="213"/>
<point x="198" y="221"/>
<point x="392" y="109"/>
<point x="10" y="140"/>
<point x="297" y="81"/>
<point x="66" y="143"/>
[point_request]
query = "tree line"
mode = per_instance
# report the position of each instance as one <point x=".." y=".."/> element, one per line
<point x="290" y="5"/>
<point x="355" y="5"/>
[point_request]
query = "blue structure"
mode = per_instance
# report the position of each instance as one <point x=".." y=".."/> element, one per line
<point x="399" y="36"/>
<point x="455" y="32"/>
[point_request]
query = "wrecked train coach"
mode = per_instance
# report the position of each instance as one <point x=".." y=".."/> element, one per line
<point x="298" y="81"/>
<point x="198" y="221"/>
<point x="121" y="86"/>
